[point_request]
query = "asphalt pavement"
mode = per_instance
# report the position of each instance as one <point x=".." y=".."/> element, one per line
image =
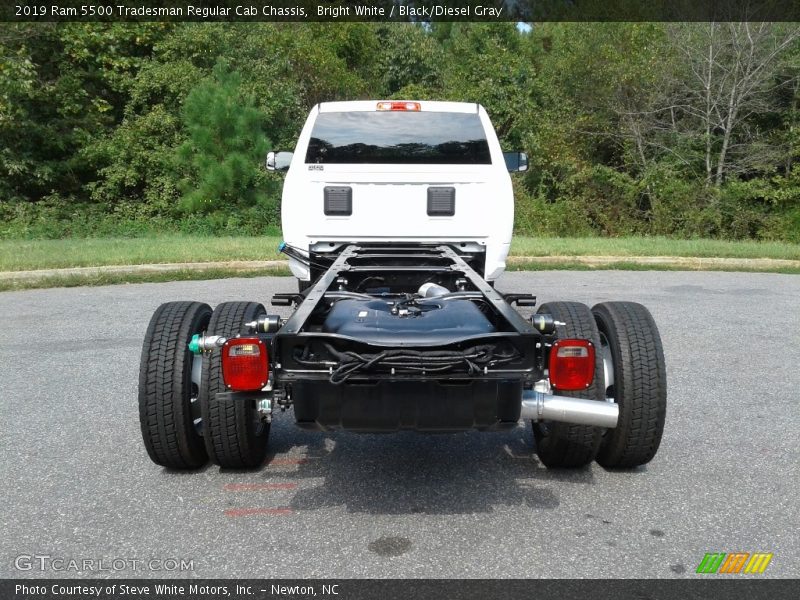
<point x="78" y="485"/>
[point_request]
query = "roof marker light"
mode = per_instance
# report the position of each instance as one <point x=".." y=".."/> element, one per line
<point x="400" y="106"/>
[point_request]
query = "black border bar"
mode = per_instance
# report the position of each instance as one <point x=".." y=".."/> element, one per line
<point x="398" y="10"/>
<point x="705" y="587"/>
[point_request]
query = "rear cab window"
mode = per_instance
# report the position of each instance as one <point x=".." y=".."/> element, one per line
<point x="382" y="137"/>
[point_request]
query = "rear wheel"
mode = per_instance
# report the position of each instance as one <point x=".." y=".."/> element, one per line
<point x="634" y="354"/>
<point x="565" y="445"/>
<point x="169" y="410"/>
<point x="235" y="436"/>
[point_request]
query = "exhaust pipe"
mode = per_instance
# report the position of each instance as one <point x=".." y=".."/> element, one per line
<point x="546" y="407"/>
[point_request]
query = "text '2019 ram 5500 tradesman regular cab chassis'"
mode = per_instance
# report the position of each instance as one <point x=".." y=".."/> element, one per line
<point x="397" y="219"/>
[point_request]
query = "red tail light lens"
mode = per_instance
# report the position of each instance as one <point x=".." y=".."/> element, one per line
<point x="245" y="364"/>
<point x="412" y="106"/>
<point x="571" y="364"/>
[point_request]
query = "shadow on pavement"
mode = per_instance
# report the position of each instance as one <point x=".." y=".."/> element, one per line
<point x="411" y="473"/>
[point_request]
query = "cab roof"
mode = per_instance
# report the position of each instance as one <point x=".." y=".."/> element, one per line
<point x="425" y="106"/>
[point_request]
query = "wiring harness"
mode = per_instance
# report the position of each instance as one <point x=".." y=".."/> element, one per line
<point x="471" y="361"/>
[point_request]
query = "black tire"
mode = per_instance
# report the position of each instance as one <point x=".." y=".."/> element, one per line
<point x="234" y="436"/>
<point x="640" y="384"/>
<point x="566" y="445"/>
<point x="302" y="285"/>
<point x="166" y="390"/>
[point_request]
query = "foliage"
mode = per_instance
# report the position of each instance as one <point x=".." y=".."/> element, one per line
<point x="224" y="147"/>
<point x="126" y="129"/>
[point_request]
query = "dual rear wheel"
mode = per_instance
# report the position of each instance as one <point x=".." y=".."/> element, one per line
<point x="183" y="419"/>
<point x="185" y="422"/>
<point x="629" y="370"/>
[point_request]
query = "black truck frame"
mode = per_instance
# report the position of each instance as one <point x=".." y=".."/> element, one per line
<point x="403" y="336"/>
<point x="399" y="384"/>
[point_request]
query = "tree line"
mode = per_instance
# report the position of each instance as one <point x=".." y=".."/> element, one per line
<point x="678" y="129"/>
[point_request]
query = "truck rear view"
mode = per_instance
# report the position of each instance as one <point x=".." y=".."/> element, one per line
<point x="397" y="219"/>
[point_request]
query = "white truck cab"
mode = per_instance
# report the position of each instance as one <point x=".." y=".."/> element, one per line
<point x="399" y="172"/>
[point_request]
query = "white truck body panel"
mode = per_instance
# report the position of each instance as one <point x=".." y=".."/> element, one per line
<point x="389" y="201"/>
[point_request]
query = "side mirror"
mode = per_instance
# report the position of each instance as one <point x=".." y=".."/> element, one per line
<point x="279" y="161"/>
<point x="516" y="161"/>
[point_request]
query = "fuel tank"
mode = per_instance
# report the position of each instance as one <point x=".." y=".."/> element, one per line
<point x="430" y="322"/>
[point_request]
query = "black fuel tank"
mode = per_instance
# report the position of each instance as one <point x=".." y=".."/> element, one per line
<point x="440" y="322"/>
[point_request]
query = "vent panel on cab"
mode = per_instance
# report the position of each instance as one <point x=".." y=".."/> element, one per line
<point x="338" y="201"/>
<point x="441" y="201"/>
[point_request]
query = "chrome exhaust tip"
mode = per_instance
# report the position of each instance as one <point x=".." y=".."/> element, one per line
<point x="547" y="407"/>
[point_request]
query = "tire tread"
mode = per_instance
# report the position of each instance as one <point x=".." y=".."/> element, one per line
<point x="164" y="412"/>
<point x="569" y="445"/>
<point x="642" y="389"/>
<point x="226" y="423"/>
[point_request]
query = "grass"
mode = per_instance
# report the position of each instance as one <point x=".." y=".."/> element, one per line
<point x="115" y="278"/>
<point x="631" y="266"/>
<point x="652" y="246"/>
<point x="22" y="255"/>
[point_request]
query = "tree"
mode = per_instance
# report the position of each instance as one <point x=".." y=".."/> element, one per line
<point x="409" y="62"/>
<point x="718" y="93"/>
<point x="226" y="145"/>
<point x="487" y="63"/>
<point x="62" y="88"/>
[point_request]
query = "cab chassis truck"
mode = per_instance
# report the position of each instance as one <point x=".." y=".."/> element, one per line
<point x="397" y="219"/>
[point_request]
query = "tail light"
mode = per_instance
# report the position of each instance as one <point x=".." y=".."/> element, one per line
<point x="245" y="364"/>
<point x="412" y="106"/>
<point x="571" y="364"/>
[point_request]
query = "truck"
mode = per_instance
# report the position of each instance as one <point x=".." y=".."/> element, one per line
<point x="397" y="219"/>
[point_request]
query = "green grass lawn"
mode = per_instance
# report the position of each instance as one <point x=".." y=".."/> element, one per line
<point x="652" y="246"/>
<point x="20" y="255"/>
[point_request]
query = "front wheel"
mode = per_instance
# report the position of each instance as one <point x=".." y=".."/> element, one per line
<point x="633" y="352"/>
<point x="235" y="435"/>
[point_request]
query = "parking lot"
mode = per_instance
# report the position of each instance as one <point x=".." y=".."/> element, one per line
<point x="79" y="485"/>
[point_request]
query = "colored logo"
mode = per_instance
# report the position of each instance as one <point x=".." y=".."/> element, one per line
<point x="735" y="562"/>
